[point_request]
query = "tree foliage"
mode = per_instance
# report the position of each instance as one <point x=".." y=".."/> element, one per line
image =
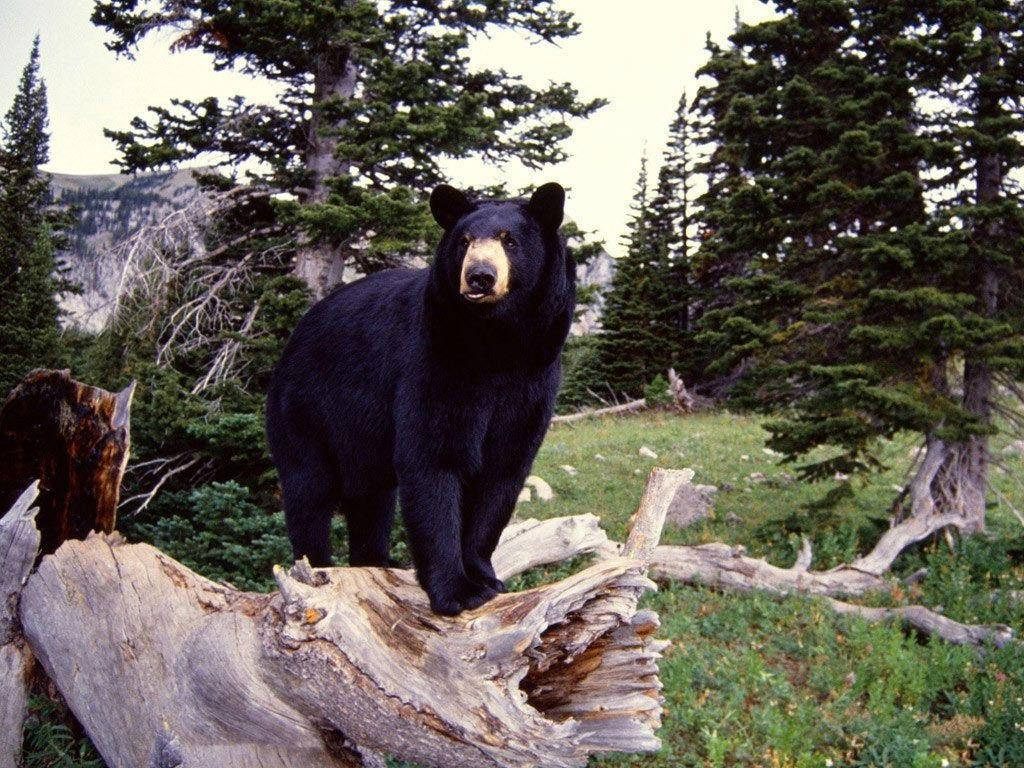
<point x="373" y="98"/>
<point x="646" y="320"/>
<point x="861" y="214"/>
<point x="29" y="281"/>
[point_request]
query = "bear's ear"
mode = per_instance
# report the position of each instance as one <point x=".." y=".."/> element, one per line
<point x="448" y="205"/>
<point x="547" y="205"/>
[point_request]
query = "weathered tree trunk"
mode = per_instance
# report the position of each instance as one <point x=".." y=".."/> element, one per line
<point x="320" y="265"/>
<point x="165" y="668"/>
<point x="19" y="544"/>
<point x="73" y="438"/>
<point x="961" y="485"/>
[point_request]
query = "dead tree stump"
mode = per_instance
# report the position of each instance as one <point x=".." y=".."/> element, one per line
<point x="73" y="438"/>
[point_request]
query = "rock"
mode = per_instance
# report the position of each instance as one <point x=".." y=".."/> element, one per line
<point x="757" y="477"/>
<point x="599" y="457"/>
<point x="733" y="519"/>
<point x="524" y="495"/>
<point x="637" y="472"/>
<point x="842" y="477"/>
<point x="744" y="457"/>
<point x="690" y="504"/>
<point x="770" y="453"/>
<point x="726" y="487"/>
<point x="540" y="487"/>
<point x="1016" y="448"/>
<point x="647" y="452"/>
<point x="570" y="470"/>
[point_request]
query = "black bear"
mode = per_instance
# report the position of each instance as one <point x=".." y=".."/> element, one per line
<point x="434" y="385"/>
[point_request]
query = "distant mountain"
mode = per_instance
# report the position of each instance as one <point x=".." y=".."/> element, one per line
<point x="109" y="208"/>
<point x="112" y="207"/>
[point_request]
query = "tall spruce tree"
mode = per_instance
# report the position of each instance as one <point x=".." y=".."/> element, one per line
<point x="628" y="342"/>
<point x="867" y="232"/>
<point x="374" y="95"/>
<point x="29" y="333"/>
<point x="670" y="225"/>
<point x="645" y="324"/>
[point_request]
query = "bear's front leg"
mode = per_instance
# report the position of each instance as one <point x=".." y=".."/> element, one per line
<point x="430" y="499"/>
<point x="487" y="508"/>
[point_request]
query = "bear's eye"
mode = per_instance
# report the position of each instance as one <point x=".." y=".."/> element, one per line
<point x="508" y="240"/>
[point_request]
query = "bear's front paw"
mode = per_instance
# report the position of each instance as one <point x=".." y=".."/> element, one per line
<point x="482" y="573"/>
<point x="456" y="596"/>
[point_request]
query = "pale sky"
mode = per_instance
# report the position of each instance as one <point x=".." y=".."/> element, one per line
<point x="639" y="55"/>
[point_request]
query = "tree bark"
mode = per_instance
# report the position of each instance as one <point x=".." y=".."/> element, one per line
<point x="321" y="265"/>
<point x="961" y="485"/>
<point x="19" y="544"/>
<point x="165" y="668"/>
<point x="74" y="439"/>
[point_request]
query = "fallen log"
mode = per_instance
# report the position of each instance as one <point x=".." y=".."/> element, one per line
<point x="19" y="543"/>
<point x="611" y="410"/>
<point x="73" y="438"/>
<point x="164" y="668"/>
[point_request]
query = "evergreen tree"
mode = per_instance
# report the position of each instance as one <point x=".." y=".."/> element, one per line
<point x="672" y="216"/>
<point x="866" y="277"/>
<point x="630" y="346"/>
<point x="29" y="333"/>
<point x="374" y="95"/>
<point x="645" y="324"/>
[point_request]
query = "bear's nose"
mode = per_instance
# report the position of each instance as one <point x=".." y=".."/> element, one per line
<point x="481" y="277"/>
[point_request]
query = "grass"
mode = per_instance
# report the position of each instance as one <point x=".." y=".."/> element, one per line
<point x="756" y="681"/>
<point x="759" y="682"/>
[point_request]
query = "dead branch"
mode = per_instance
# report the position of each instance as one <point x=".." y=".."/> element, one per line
<point x="568" y="418"/>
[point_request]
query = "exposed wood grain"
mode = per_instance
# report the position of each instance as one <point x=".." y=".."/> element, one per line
<point x="74" y="439"/>
<point x="19" y="543"/>
<point x="528" y="543"/>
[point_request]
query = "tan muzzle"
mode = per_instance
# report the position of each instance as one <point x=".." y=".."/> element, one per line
<point x="485" y="271"/>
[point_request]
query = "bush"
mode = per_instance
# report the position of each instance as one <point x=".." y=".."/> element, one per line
<point x="580" y="375"/>
<point x="218" y="531"/>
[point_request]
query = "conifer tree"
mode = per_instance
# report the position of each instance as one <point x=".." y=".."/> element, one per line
<point x="374" y="96"/>
<point x="866" y="233"/>
<point x="628" y="338"/>
<point x="672" y="216"/>
<point x="645" y="324"/>
<point x="29" y="333"/>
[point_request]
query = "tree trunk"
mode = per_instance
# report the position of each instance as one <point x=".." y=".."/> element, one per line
<point x="73" y="438"/>
<point x="962" y="484"/>
<point x="164" y="668"/>
<point x="320" y="265"/>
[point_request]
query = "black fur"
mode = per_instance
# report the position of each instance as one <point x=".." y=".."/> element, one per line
<point x="397" y="385"/>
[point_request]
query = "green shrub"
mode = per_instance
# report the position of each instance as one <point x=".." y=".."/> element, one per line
<point x="218" y="531"/>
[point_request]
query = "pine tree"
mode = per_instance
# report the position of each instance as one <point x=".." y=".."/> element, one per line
<point x="866" y="234"/>
<point x="630" y="346"/>
<point x="29" y="333"/>
<point x="374" y="97"/>
<point x="671" y="220"/>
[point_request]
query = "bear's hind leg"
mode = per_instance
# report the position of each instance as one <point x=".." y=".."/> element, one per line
<point x="310" y="500"/>
<point x="369" y="529"/>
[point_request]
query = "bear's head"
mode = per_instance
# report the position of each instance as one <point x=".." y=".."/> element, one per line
<point x="497" y="253"/>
